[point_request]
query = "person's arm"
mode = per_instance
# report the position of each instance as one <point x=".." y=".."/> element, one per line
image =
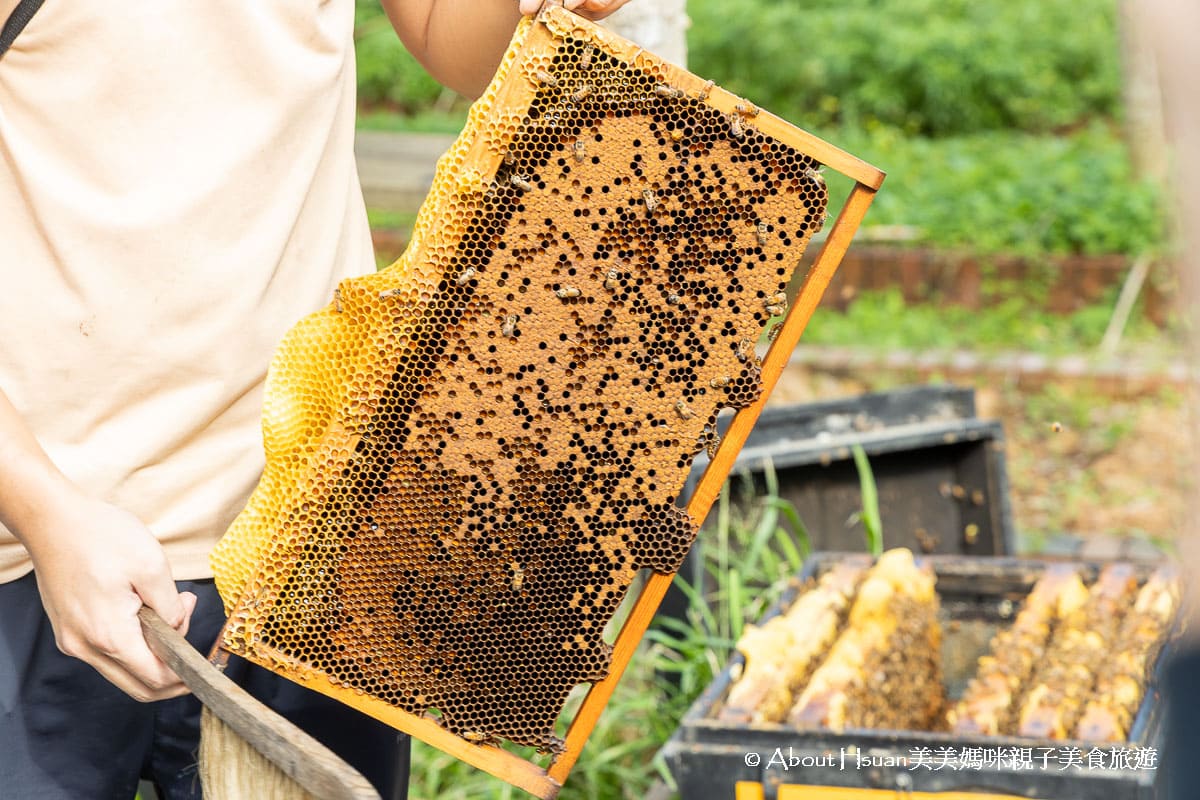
<point x="460" y="42"/>
<point x="95" y="564"/>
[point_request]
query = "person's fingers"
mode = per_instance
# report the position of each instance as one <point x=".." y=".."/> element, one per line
<point x="131" y="684"/>
<point x="599" y="5"/>
<point x="599" y="9"/>
<point x="593" y="9"/>
<point x="119" y="653"/>
<point x="134" y="657"/>
<point x="156" y="589"/>
<point x="189" y="606"/>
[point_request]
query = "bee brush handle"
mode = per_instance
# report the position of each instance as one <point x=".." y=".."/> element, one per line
<point x="301" y="757"/>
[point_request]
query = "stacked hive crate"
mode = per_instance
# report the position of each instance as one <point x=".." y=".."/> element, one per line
<point x="853" y="662"/>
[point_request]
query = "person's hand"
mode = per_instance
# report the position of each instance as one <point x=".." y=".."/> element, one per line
<point x="96" y="565"/>
<point x="592" y="9"/>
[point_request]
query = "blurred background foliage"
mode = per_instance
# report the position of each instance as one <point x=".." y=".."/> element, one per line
<point x="998" y="121"/>
<point x="927" y="67"/>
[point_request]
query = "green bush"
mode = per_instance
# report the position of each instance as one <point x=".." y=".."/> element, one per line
<point x="1006" y="192"/>
<point x="935" y="67"/>
<point x="387" y="72"/>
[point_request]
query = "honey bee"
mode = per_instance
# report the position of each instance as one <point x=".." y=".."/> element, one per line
<point x="465" y="276"/>
<point x="520" y="182"/>
<point x="546" y="78"/>
<point x="585" y="58"/>
<point x="815" y="176"/>
<point x="337" y="299"/>
<point x="927" y="542"/>
<point x="774" y="332"/>
<point x="518" y="580"/>
<point x="475" y="737"/>
<point x="612" y="279"/>
<point x="663" y="90"/>
<point x="1056" y="426"/>
<point x="720" y="382"/>
<point x="580" y="150"/>
<point x="761" y="233"/>
<point x="567" y="293"/>
<point x="706" y="90"/>
<point x="582" y="92"/>
<point x="745" y="349"/>
<point x="651" y="200"/>
<point x="746" y="109"/>
<point x="776" y="304"/>
<point x="387" y="294"/>
<point x="674" y="299"/>
<point x="714" y="442"/>
<point x="683" y="410"/>
<point x="509" y="328"/>
<point x="735" y="126"/>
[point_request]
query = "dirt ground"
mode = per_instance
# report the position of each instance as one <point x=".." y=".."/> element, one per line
<point x="1081" y="459"/>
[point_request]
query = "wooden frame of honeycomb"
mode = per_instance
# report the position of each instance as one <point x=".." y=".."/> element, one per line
<point x="472" y="452"/>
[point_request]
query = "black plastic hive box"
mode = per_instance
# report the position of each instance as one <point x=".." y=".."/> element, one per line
<point x="978" y="596"/>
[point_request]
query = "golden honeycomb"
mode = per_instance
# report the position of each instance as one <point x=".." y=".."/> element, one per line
<point x="1074" y="664"/>
<point x="471" y="453"/>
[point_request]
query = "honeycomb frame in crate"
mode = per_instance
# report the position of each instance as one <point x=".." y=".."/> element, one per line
<point x="473" y="452"/>
<point x="980" y="597"/>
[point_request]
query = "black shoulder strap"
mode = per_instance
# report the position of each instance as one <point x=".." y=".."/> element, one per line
<point x="17" y="21"/>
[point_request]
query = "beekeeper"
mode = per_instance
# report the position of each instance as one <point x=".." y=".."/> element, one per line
<point x="177" y="188"/>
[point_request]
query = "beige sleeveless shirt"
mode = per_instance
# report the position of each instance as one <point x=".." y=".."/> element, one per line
<point x="177" y="188"/>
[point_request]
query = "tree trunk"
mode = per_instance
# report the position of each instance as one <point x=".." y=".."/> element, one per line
<point x="1142" y="95"/>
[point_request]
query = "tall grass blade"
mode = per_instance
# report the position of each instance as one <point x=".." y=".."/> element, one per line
<point x="870" y="502"/>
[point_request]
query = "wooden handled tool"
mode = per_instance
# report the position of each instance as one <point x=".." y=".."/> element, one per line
<point x="301" y="757"/>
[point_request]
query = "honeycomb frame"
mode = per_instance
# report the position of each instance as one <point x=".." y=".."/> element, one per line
<point x="546" y="303"/>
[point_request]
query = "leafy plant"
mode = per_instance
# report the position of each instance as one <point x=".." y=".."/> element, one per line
<point x="1006" y="192"/>
<point x="931" y="67"/>
<point x="869" y="515"/>
<point x="387" y="72"/>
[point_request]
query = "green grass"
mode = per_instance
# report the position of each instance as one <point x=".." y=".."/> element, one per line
<point x="881" y="320"/>
<point x="1008" y="192"/>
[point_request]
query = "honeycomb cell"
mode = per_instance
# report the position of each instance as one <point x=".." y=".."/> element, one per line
<point x="471" y="454"/>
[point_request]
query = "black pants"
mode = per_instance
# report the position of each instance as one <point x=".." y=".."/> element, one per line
<point x="66" y="732"/>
